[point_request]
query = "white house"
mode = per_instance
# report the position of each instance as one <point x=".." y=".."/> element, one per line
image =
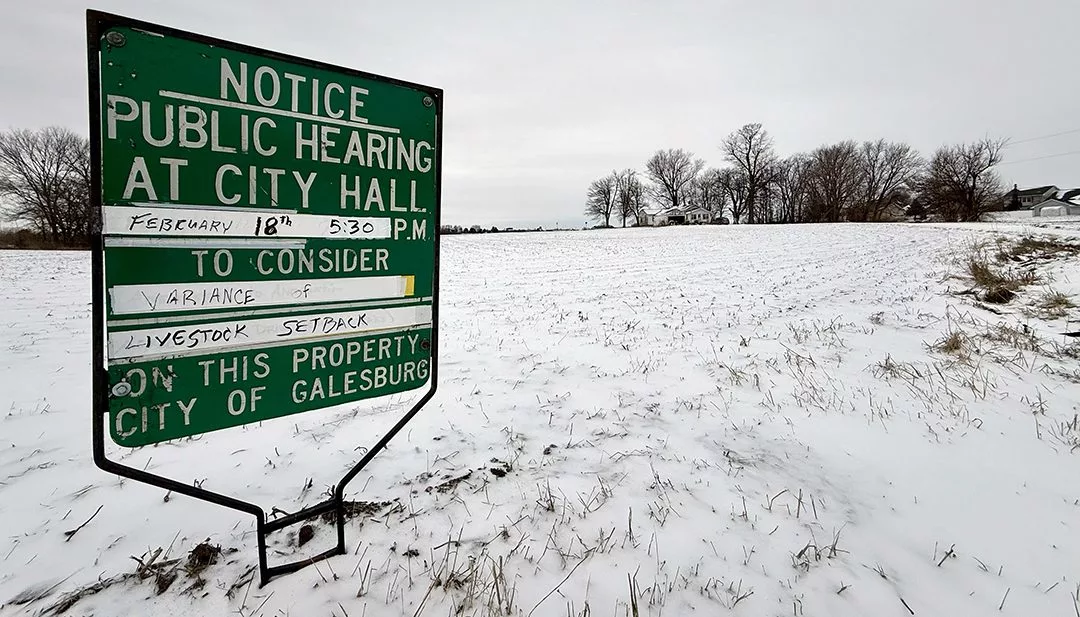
<point x="694" y="216"/>
<point x="699" y="215"/>
<point x="1029" y="198"/>
<point x="1056" y="207"/>
<point x="671" y="216"/>
<point x="646" y="219"/>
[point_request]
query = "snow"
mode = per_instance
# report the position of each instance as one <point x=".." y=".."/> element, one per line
<point x="1021" y="220"/>
<point x="733" y="417"/>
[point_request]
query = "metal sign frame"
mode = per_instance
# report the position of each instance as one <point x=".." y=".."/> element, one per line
<point x="97" y="24"/>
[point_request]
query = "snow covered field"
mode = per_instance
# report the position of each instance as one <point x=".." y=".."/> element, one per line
<point x="1023" y="218"/>
<point x="769" y="420"/>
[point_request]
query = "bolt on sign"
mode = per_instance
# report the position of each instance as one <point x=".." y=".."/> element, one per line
<point x="268" y="233"/>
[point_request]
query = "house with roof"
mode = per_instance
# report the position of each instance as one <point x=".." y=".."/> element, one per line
<point x="644" y="218"/>
<point x="671" y="216"/>
<point x="696" y="215"/>
<point x="1063" y="203"/>
<point x="1056" y="207"/>
<point x="1026" y="199"/>
<point x="699" y="216"/>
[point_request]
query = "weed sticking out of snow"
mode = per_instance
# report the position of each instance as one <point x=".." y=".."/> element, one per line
<point x="1055" y="304"/>
<point x="1029" y="248"/>
<point x="1019" y="337"/>
<point x="1067" y="433"/>
<point x="996" y="281"/>
<point x="955" y="343"/>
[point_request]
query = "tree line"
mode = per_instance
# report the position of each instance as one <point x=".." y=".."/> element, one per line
<point x="846" y="181"/>
<point x="478" y="229"/>
<point x="45" y="184"/>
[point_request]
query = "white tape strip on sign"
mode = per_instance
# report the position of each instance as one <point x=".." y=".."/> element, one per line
<point x="208" y="337"/>
<point x="173" y="297"/>
<point x="191" y="222"/>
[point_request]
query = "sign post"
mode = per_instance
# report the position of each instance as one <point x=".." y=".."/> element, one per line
<point x="267" y="243"/>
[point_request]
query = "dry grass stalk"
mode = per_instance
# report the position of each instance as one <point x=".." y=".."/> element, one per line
<point x="997" y="280"/>
<point x="1055" y="304"/>
<point x="1031" y="248"/>
<point x="954" y="342"/>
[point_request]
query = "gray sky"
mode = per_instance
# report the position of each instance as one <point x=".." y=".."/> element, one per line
<point x="542" y="97"/>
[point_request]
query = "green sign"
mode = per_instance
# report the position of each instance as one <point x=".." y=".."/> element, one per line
<point x="269" y="230"/>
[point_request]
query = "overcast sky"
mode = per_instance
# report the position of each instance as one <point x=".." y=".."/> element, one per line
<point x="542" y="97"/>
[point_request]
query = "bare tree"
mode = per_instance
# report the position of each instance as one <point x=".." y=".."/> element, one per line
<point x="81" y="218"/>
<point x="672" y="171"/>
<point x="736" y="192"/>
<point x="750" y="150"/>
<point x="45" y="177"/>
<point x="833" y="182"/>
<point x="631" y="197"/>
<point x="692" y="197"/>
<point x="601" y="198"/>
<point x="960" y="182"/>
<point x="696" y="195"/>
<point x="708" y="193"/>
<point x="889" y="169"/>
<point x="766" y="202"/>
<point x="791" y="188"/>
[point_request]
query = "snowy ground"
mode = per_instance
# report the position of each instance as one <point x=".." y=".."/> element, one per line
<point x="663" y="421"/>
<point x="1023" y="218"/>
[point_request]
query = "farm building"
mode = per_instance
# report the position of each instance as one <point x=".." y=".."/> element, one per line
<point x="683" y="216"/>
<point x="1056" y="207"/>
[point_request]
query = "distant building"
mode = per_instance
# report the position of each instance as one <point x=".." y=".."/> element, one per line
<point x="699" y="216"/>
<point x="671" y="216"/>
<point x="1056" y="207"/>
<point x="1026" y="199"/>
<point x="646" y="219"/>
<point x="683" y="216"/>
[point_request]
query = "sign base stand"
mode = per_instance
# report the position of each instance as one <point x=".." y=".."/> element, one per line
<point x="335" y="505"/>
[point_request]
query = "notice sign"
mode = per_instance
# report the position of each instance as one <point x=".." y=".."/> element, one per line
<point x="268" y="233"/>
